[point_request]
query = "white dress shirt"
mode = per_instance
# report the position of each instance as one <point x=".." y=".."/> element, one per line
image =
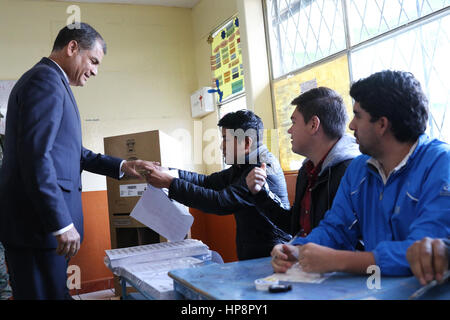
<point x="402" y="163"/>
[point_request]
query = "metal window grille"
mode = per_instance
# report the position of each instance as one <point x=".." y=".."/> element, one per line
<point x="409" y="35"/>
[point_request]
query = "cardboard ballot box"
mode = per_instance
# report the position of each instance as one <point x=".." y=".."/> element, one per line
<point x="152" y="146"/>
<point x="125" y="193"/>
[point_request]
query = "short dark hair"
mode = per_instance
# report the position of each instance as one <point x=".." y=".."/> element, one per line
<point x="398" y="96"/>
<point x="328" y="106"/>
<point x="246" y="120"/>
<point x="84" y="35"/>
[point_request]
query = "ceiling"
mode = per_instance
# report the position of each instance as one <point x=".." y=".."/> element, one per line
<point x="166" y="3"/>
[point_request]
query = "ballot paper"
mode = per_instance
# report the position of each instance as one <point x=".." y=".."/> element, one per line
<point x="155" y="252"/>
<point x="152" y="277"/>
<point x="146" y="267"/>
<point x="293" y="274"/>
<point x="167" y="217"/>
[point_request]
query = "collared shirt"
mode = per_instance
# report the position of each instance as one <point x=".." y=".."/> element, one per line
<point x="402" y="163"/>
<point x="64" y="73"/>
<point x="305" y="206"/>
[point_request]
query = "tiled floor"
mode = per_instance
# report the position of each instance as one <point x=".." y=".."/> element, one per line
<point x="98" y="295"/>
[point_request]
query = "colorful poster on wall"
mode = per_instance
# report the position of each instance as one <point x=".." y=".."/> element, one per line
<point x="333" y="74"/>
<point x="226" y="61"/>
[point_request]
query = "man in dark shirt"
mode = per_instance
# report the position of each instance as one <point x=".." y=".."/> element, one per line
<point x="318" y="133"/>
<point x="226" y="192"/>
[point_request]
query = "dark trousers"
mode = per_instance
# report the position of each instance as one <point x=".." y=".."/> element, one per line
<point x="37" y="274"/>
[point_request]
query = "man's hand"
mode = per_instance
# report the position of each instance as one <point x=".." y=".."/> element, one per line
<point x="68" y="243"/>
<point x="284" y="256"/>
<point x="316" y="258"/>
<point x="256" y="179"/>
<point x="138" y="168"/>
<point x="159" y="178"/>
<point x="428" y="259"/>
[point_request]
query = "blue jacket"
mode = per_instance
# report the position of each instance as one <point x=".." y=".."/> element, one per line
<point x="414" y="203"/>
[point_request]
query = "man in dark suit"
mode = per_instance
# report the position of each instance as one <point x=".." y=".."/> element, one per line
<point x="40" y="182"/>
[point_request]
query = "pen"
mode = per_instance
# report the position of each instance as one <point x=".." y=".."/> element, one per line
<point x="291" y="241"/>
<point x="297" y="235"/>
<point x="417" y="294"/>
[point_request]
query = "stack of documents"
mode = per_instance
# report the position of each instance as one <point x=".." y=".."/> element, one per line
<point x="146" y="267"/>
<point x="152" y="278"/>
<point x="154" y="252"/>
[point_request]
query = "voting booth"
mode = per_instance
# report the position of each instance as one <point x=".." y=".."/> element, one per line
<point x="124" y="194"/>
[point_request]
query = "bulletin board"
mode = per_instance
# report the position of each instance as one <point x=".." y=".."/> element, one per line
<point x="332" y="74"/>
<point x="226" y="60"/>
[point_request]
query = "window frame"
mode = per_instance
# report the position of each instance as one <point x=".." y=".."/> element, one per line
<point x="349" y="48"/>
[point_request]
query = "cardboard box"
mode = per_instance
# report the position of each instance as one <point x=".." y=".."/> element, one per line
<point x="152" y="146"/>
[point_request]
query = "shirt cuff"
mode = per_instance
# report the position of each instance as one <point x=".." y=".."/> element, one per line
<point x="61" y="231"/>
<point x="121" y="173"/>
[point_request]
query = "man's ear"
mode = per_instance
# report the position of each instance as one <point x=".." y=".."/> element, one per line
<point x="248" y="143"/>
<point x="72" y="48"/>
<point x="314" y="124"/>
<point x="383" y="125"/>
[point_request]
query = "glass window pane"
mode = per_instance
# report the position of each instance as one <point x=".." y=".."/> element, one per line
<point x="369" y="18"/>
<point x="233" y="106"/>
<point x="303" y="31"/>
<point x="422" y="51"/>
<point x="332" y="74"/>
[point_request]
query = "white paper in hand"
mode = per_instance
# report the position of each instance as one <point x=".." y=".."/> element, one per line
<point x="167" y="217"/>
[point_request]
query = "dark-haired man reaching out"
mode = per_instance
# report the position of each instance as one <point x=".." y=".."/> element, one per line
<point x="226" y="192"/>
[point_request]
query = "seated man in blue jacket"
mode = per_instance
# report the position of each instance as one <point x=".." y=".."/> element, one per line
<point x="226" y="192"/>
<point x="397" y="192"/>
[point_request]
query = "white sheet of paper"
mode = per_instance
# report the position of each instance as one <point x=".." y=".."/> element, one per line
<point x="293" y="274"/>
<point x="167" y="217"/>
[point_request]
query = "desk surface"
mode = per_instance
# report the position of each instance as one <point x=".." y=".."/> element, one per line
<point x="235" y="281"/>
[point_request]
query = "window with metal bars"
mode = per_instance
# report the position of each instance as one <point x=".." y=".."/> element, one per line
<point x="408" y="35"/>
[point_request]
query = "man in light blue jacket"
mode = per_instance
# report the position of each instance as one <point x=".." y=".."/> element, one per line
<point x="394" y="194"/>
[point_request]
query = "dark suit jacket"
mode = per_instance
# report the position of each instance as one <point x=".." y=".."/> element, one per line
<point x="40" y="180"/>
